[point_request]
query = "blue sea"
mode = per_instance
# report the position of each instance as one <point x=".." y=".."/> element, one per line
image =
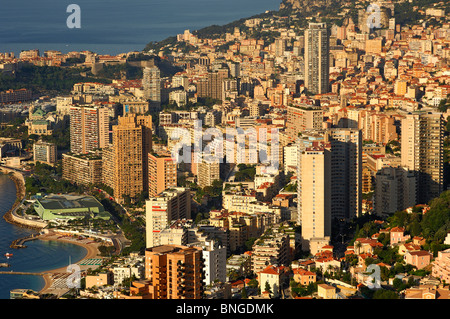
<point x="113" y="26"/>
<point x="37" y="257"/>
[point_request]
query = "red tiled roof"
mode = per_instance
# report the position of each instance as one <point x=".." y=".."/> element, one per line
<point x="397" y="229"/>
<point x="303" y="272"/>
<point x="420" y="253"/>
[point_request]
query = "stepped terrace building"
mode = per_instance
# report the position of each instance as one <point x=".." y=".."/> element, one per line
<point x="67" y="207"/>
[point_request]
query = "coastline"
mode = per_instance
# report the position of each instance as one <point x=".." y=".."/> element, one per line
<point x="91" y="248"/>
<point x="19" y="183"/>
<point x="91" y="252"/>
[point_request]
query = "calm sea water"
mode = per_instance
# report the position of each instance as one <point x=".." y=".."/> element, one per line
<point x="114" y="26"/>
<point x="37" y="257"/>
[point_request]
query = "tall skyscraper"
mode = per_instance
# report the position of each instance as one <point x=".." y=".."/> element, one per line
<point x="422" y="136"/>
<point x="306" y="140"/>
<point x="316" y="202"/>
<point x="346" y="172"/>
<point x="151" y="83"/>
<point x="89" y="128"/>
<point x="317" y="60"/>
<point x="131" y="145"/>
<point x="345" y="147"/>
<point x="108" y="161"/>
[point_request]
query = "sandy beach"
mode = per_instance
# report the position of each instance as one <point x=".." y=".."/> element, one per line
<point x="92" y="252"/>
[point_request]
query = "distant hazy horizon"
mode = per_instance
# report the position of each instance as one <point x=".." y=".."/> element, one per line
<point x="115" y="26"/>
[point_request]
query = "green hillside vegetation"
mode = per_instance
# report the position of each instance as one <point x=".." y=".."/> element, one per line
<point x="434" y="226"/>
<point x="45" y="78"/>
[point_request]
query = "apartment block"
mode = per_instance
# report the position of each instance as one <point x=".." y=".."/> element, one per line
<point x="441" y="266"/>
<point x="89" y="128"/>
<point x="162" y="170"/>
<point x="270" y="250"/>
<point x="132" y="142"/>
<point x="212" y="85"/>
<point x="108" y="161"/>
<point x="303" y="117"/>
<point x="209" y="169"/>
<point x="174" y="272"/>
<point x="422" y="136"/>
<point x="395" y="190"/>
<point x="316" y="201"/>
<point x="83" y="169"/>
<point x="151" y="83"/>
<point x="215" y="260"/>
<point x="45" y="152"/>
<point x="162" y="209"/>
<point x="317" y="60"/>
<point x="346" y="172"/>
<point x="14" y="96"/>
<point x="101" y="279"/>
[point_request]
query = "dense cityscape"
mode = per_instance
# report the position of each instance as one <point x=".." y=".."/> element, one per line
<point x="297" y="154"/>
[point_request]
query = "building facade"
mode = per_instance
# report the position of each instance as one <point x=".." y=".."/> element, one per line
<point x="45" y="152"/>
<point x="422" y="152"/>
<point x="174" y="272"/>
<point x="132" y="142"/>
<point x="171" y="204"/>
<point x="89" y="128"/>
<point x="317" y="61"/>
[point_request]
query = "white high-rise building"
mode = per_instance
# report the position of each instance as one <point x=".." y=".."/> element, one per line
<point x="172" y="204"/>
<point x="215" y="262"/>
<point x="151" y="83"/>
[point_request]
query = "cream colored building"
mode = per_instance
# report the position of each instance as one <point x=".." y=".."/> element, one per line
<point x="44" y="152"/>
<point x="422" y="152"/>
<point x="315" y="179"/>
<point x="325" y="291"/>
<point x="171" y="204"/>
<point x="101" y="279"/>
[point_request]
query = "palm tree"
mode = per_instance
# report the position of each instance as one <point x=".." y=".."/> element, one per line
<point x="358" y="246"/>
<point x="330" y="269"/>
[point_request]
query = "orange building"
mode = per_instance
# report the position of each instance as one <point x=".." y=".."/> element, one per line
<point x="162" y="170"/>
<point x="303" y="276"/>
<point x="132" y="142"/>
<point x="174" y="272"/>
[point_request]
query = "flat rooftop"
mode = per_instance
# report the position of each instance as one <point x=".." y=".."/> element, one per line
<point x="56" y="202"/>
